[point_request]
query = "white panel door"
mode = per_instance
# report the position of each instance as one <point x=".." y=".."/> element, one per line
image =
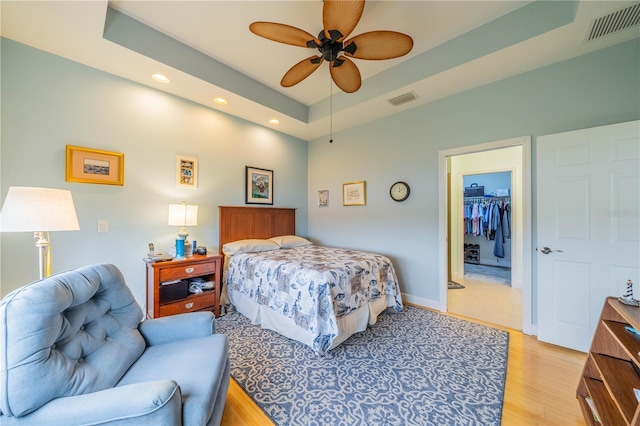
<point x="588" y="227"/>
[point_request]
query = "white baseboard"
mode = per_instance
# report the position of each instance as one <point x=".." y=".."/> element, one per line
<point x="427" y="303"/>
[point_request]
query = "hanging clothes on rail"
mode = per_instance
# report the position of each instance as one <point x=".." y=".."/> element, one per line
<point x="506" y="220"/>
<point x="502" y="221"/>
<point x="498" y="245"/>
<point x="483" y="217"/>
<point x="474" y="217"/>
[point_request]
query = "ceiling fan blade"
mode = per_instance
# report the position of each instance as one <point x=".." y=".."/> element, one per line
<point x="341" y="15"/>
<point x="284" y="34"/>
<point x="301" y="70"/>
<point x="345" y="74"/>
<point x="379" y="45"/>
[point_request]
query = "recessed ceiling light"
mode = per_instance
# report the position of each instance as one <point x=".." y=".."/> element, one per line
<point x="220" y="101"/>
<point x="274" y="121"/>
<point x="160" y="78"/>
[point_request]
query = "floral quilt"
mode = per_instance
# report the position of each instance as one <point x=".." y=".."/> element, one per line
<point x="314" y="285"/>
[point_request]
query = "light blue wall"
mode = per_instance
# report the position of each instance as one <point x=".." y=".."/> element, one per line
<point x="592" y="90"/>
<point x="49" y="102"/>
<point x="72" y="104"/>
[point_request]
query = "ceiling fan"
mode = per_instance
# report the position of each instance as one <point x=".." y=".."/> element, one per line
<point x="339" y="18"/>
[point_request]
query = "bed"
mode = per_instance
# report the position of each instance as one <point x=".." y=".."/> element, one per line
<point x="316" y="295"/>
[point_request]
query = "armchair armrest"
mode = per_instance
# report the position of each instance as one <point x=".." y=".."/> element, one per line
<point x="177" y="327"/>
<point x="156" y="402"/>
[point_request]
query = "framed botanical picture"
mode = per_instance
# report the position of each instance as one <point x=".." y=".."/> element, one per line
<point x="323" y="197"/>
<point x="186" y="172"/>
<point x="258" y="186"/>
<point x="87" y="165"/>
<point x="354" y="193"/>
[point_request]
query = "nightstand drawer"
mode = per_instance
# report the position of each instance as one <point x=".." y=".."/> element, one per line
<point x="192" y="304"/>
<point x="186" y="271"/>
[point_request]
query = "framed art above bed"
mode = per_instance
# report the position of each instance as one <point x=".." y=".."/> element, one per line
<point x="258" y="186"/>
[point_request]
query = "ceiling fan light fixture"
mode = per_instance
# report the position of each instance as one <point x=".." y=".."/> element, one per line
<point x="339" y="19"/>
<point x="350" y="48"/>
<point x="161" y="78"/>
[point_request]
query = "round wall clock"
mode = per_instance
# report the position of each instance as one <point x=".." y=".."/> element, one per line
<point x="399" y="191"/>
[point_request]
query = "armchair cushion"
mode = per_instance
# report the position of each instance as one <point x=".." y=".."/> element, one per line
<point x="200" y="366"/>
<point x="148" y="403"/>
<point x="177" y="327"/>
<point x="70" y="334"/>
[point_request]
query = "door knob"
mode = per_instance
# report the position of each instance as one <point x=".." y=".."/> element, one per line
<point x="547" y="250"/>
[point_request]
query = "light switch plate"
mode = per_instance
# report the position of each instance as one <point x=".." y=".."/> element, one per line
<point x="103" y="226"/>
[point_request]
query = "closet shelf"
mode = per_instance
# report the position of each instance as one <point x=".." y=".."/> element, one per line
<point x="472" y="253"/>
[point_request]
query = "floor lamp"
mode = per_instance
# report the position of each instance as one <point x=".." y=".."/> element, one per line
<point x="39" y="210"/>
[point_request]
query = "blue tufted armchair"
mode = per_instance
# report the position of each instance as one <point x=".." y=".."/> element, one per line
<point x="73" y="350"/>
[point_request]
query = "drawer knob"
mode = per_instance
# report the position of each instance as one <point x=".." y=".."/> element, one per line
<point x="188" y="270"/>
<point x="188" y="305"/>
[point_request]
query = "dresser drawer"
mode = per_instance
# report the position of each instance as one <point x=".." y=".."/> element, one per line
<point x="186" y="271"/>
<point x="192" y="304"/>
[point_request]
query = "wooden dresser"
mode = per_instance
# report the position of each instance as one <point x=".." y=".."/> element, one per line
<point x="611" y="372"/>
<point x="206" y="267"/>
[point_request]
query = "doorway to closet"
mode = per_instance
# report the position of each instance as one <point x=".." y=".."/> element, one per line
<point x="492" y="284"/>
<point x="487" y="227"/>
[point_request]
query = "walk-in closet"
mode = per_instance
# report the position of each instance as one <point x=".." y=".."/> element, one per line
<point x="487" y="227"/>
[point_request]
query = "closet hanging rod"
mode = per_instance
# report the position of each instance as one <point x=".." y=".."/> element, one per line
<point x="485" y="198"/>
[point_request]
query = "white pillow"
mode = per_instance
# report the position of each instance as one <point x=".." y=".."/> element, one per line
<point x="290" y="241"/>
<point x="249" y="246"/>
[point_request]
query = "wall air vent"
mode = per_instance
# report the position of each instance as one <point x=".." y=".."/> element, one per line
<point x="616" y="21"/>
<point x="403" y="99"/>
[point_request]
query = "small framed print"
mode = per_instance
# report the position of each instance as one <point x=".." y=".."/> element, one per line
<point x="186" y="172"/>
<point x="323" y="198"/>
<point x="258" y="186"/>
<point x="354" y="193"/>
<point x="87" y="165"/>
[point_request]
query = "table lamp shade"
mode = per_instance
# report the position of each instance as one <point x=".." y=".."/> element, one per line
<point x="28" y="209"/>
<point x="183" y="215"/>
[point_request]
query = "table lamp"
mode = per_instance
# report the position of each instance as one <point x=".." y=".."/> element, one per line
<point x="183" y="215"/>
<point x="39" y="210"/>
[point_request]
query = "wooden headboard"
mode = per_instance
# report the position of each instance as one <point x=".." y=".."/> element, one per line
<point x="240" y="223"/>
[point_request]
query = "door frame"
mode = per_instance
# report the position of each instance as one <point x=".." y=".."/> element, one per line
<point x="527" y="243"/>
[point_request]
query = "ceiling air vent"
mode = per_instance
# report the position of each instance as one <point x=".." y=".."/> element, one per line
<point x="403" y="99"/>
<point x="616" y="21"/>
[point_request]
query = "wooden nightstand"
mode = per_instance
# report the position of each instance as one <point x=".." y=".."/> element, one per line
<point x="207" y="267"/>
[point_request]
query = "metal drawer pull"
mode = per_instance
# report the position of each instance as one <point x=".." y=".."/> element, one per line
<point x="188" y="270"/>
<point x="188" y="305"/>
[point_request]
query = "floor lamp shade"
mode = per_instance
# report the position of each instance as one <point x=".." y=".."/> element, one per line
<point x="39" y="210"/>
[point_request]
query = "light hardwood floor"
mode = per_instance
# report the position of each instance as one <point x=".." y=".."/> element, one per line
<point x="487" y="301"/>
<point x="540" y="387"/>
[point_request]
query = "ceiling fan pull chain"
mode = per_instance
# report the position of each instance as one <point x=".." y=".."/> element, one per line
<point x="330" y="106"/>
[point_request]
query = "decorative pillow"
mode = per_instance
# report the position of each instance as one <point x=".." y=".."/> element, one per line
<point x="290" y="241"/>
<point x="249" y="246"/>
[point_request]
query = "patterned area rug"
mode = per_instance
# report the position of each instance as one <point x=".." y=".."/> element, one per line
<point x="416" y="367"/>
